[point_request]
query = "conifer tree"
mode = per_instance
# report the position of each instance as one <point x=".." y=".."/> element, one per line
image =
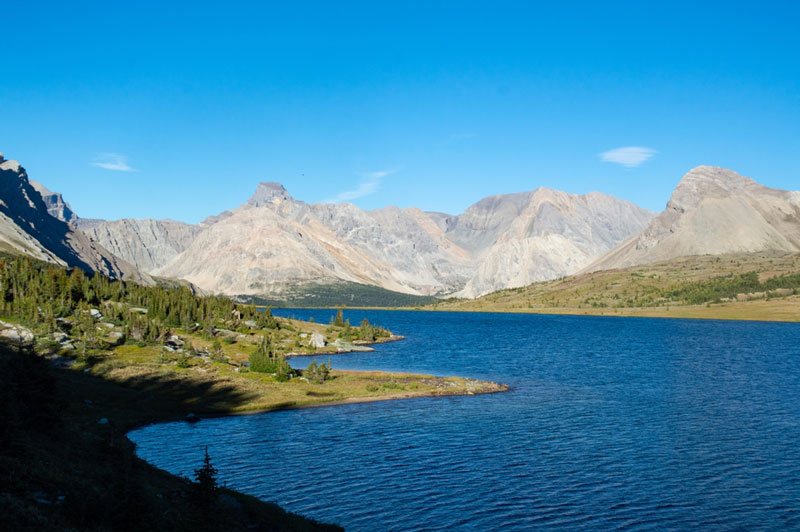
<point x="205" y="479"/>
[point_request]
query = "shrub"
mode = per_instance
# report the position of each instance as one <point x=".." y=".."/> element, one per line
<point x="317" y="373"/>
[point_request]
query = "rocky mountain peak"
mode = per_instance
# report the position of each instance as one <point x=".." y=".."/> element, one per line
<point x="11" y="166"/>
<point x="268" y="193"/>
<point x="713" y="211"/>
<point x="704" y="182"/>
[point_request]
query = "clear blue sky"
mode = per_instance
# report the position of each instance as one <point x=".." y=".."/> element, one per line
<point x="179" y="110"/>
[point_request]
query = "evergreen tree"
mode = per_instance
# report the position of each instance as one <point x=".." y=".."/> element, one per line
<point x="216" y="350"/>
<point x="339" y="321"/>
<point x="205" y="479"/>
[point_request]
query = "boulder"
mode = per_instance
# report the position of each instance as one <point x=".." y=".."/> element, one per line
<point x="174" y="341"/>
<point x="116" y="338"/>
<point x="15" y="333"/>
<point x="317" y="341"/>
<point x="342" y="346"/>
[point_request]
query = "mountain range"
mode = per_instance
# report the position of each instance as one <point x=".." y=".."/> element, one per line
<point x="273" y="243"/>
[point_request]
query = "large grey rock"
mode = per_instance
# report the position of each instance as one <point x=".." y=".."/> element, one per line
<point x="15" y="333"/>
<point x="317" y="341"/>
<point x="274" y="242"/>
<point x="545" y="234"/>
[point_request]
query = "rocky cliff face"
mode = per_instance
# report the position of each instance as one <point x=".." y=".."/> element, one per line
<point x="27" y="227"/>
<point x="713" y="211"/>
<point x="147" y="244"/>
<point x="56" y="206"/>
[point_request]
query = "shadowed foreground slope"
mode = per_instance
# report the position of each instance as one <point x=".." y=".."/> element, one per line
<point x="62" y="470"/>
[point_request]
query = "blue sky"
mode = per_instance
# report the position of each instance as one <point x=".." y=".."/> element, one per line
<point x="179" y="109"/>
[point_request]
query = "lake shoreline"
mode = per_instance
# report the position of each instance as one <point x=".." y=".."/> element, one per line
<point x="358" y="346"/>
<point x="759" y="311"/>
<point x="493" y="389"/>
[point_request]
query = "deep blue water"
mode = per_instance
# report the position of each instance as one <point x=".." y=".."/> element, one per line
<point x="613" y="423"/>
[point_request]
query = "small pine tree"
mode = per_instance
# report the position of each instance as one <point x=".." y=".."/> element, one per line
<point x="216" y="350"/>
<point x="205" y="479"/>
<point x="339" y="321"/>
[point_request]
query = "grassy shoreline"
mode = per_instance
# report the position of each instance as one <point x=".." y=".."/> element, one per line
<point x="497" y="388"/>
<point x="786" y="310"/>
<point x="241" y="399"/>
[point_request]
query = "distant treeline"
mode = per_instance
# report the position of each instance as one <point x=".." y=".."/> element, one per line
<point x="344" y="294"/>
<point x="728" y="287"/>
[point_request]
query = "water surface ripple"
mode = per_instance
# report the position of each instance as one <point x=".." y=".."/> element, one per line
<point x="613" y="423"/>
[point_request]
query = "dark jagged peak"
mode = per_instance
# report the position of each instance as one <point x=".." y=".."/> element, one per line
<point x="268" y="193"/>
<point x="27" y="227"/>
<point x="11" y="166"/>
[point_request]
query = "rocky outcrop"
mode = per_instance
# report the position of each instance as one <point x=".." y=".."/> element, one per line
<point x="27" y="227"/>
<point x="147" y="244"/>
<point x="713" y="211"/>
<point x="317" y="341"/>
<point x="56" y="206"/>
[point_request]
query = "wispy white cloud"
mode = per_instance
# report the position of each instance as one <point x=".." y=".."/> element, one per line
<point x="112" y="161"/>
<point x="370" y="183"/>
<point x="628" y="156"/>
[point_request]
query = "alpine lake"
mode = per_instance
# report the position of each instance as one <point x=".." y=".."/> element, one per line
<point x="611" y="424"/>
